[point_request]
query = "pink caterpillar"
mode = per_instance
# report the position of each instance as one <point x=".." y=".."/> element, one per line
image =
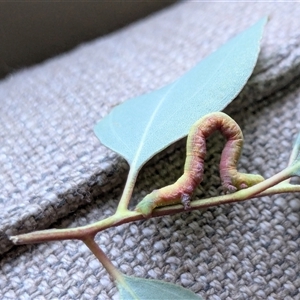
<point x="182" y="190"/>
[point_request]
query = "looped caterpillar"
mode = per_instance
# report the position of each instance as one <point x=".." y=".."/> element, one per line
<point x="182" y="190"/>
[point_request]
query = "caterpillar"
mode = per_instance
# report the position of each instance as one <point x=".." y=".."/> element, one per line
<point x="181" y="191"/>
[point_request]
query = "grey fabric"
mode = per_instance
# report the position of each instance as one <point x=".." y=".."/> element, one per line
<point x="52" y="164"/>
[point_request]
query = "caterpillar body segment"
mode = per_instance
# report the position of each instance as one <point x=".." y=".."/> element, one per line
<point x="182" y="190"/>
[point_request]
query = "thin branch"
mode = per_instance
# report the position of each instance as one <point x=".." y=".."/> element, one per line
<point x="268" y="187"/>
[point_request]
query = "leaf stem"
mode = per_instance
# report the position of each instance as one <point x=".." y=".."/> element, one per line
<point x="127" y="192"/>
<point x="294" y="154"/>
<point x="97" y="251"/>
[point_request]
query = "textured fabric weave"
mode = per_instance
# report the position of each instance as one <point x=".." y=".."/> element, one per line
<point x="52" y="166"/>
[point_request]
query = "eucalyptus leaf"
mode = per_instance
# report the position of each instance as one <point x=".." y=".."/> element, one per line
<point x="141" y="127"/>
<point x="295" y="156"/>
<point x="133" y="288"/>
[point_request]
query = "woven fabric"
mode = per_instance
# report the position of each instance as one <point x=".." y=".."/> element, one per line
<point x="53" y="167"/>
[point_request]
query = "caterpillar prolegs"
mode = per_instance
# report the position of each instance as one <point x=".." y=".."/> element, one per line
<point x="182" y="190"/>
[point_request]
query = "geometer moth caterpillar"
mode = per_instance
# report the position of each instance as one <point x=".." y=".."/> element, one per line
<point x="182" y="190"/>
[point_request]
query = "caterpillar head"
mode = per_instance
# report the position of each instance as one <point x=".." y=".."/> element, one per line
<point x="146" y="206"/>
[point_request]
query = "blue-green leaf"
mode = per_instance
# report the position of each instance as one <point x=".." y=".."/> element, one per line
<point x="141" y="127"/>
<point x="295" y="157"/>
<point x="133" y="288"/>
